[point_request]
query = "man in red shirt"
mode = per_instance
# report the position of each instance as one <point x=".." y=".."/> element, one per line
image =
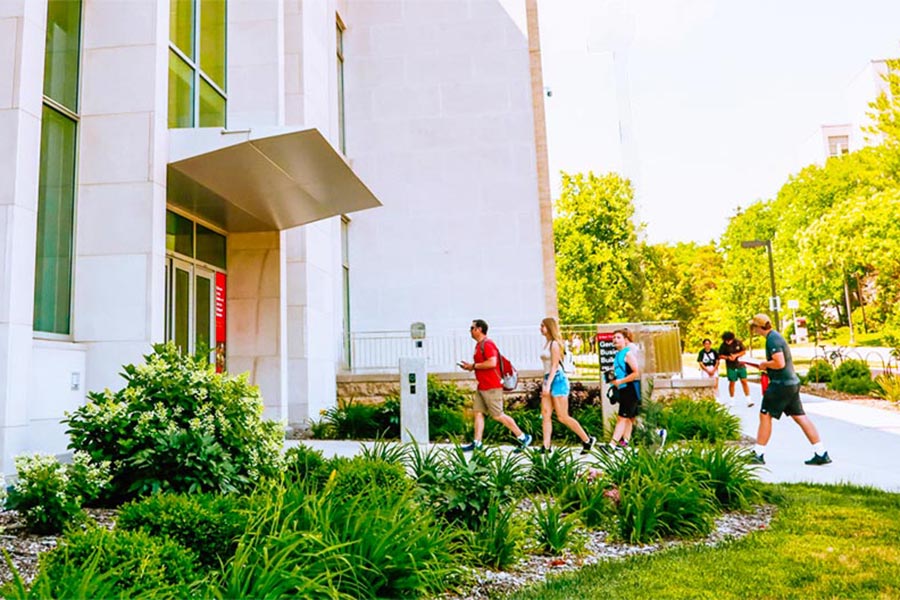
<point x="488" y="397"/>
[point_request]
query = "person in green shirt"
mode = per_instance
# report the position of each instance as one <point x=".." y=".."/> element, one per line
<point x="783" y="394"/>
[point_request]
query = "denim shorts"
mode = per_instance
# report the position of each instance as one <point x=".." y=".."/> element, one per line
<point x="560" y="385"/>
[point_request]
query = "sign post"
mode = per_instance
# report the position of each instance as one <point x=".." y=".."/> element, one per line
<point x="606" y="354"/>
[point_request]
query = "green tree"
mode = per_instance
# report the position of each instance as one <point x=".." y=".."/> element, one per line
<point x="597" y="256"/>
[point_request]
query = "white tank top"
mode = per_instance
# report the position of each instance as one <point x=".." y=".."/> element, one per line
<point x="546" y="358"/>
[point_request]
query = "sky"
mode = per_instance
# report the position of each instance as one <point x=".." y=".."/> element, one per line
<point x="720" y="96"/>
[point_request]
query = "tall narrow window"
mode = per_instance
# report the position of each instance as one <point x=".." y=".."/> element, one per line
<point x="345" y="288"/>
<point x="197" y="51"/>
<point x="56" y="179"/>
<point x="342" y="135"/>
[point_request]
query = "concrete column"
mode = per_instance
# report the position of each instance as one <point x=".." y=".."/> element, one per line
<point x="22" y="41"/>
<point x="256" y="63"/>
<point x="311" y="305"/>
<point x="121" y="200"/>
<point x="254" y="314"/>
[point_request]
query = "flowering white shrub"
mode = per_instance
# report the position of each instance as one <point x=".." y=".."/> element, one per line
<point x="50" y="495"/>
<point x="178" y="426"/>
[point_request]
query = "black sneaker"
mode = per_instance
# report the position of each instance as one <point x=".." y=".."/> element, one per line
<point x="819" y="459"/>
<point x="545" y="450"/>
<point x="470" y="447"/>
<point x="586" y="446"/>
<point x="757" y="459"/>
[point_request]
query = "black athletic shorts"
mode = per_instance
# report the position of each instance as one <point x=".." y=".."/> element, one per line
<point x="780" y="398"/>
<point x="628" y="402"/>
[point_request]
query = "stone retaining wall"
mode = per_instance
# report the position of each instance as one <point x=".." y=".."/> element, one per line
<point x="375" y="388"/>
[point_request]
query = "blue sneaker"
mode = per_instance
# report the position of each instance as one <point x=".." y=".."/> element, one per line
<point x="523" y="443"/>
<point x="470" y="447"/>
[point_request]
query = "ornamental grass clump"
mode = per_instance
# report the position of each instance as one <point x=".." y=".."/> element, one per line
<point x="178" y="426"/>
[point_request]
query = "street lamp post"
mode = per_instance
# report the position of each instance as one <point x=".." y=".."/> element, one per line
<point x="768" y="246"/>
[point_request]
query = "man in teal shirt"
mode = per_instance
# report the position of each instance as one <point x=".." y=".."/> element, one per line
<point x="782" y="395"/>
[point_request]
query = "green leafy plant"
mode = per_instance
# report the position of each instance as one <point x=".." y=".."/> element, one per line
<point x="552" y="528"/>
<point x="703" y="420"/>
<point x="593" y="498"/>
<point x="303" y="464"/>
<point x="551" y="473"/>
<point x="386" y="451"/>
<point x="727" y="472"/>
<point x="358" y="475"/>
<point x="465" y="487"/>
<point x="820" y="371"/>
<point x="282" y="553"/>
<point x="49" y="495"/>
<point x="179" y="426"/>
<point x="447" y="424"/>
<point x="353" y="420"/>
<point x="133" y="563"/>
<point x="658" y="495"/>
<point x="888" y="387"/>
<point x="498" y="541"/>
<point x="207" y="524"/>
<point x="853" y="376"/>
<point x="445" y="394"/>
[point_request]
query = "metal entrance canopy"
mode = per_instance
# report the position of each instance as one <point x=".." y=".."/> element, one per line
<point x="261" y="179"/>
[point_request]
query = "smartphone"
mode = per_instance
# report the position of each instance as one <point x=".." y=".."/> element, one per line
<point x="460" y="365"/>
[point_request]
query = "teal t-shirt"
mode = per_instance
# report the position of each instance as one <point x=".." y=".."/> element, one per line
<point x="775" y="343"/>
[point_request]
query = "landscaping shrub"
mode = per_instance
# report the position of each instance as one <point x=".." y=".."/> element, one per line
<point x="446" y="394"/>
<point x="305" y="464"/>
<point x="179" y="426"/>
<point x="703" y="420"/>
<point x="358" y="421"/>
<point x="727" y="472"/>
<point x="498" y="541"/>
<point x="659" y="495"/>
<point x="819" y="372"/>
<point x="279" y="554"/>
<point x="133" y="563"/>
<point x="49" y="495"/>
<point x="853" y="376"/>
<point x="551" y="473"/>
<point x="447" y="424"/>
<point x="593" y="499"/>
<point x="467" y="484"/>
<point x="207" y="524"/>
<point x="552" y="528"/>
<point x="888" y="387"/>
<point x="354" y="476"/>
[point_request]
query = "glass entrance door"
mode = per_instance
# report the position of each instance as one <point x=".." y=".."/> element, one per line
<point x="190" y="320"/>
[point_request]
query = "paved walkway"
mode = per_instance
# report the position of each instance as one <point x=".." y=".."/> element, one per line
<point x="863" y="442"/>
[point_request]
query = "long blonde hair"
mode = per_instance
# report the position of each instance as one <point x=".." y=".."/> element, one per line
<point x="552" y="328"/>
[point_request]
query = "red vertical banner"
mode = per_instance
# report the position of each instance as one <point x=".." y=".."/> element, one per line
<point x="220" y="322"/>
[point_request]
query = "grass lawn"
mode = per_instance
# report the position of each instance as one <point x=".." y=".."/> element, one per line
<point x="825" y="542"/>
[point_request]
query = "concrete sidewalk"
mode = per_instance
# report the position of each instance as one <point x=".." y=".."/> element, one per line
<point x="863" y="442"/>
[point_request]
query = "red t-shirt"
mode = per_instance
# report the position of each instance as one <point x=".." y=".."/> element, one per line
<point x="488" y="379"/>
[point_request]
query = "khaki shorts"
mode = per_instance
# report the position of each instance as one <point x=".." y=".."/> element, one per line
<point x="488" y="401"/>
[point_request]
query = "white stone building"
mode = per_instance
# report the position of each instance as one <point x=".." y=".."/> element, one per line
<point x="261" y="177"/>
<point x="837" y="139"/>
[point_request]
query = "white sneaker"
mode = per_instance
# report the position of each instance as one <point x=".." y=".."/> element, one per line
<point x="749" y="401"/>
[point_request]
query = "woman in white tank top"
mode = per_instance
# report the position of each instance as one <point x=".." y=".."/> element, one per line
<point x="555" y="390"/>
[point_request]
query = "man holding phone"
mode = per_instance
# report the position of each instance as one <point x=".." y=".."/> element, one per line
<point x="488" y="398"/>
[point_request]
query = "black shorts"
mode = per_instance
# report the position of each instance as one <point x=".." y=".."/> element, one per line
<point x="628" y="402"/>
<point x="780" y="399"/>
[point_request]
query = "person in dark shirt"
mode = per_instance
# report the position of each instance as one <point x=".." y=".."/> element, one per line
<point x="708" y="359"/>
<point x="732" y="349"/>
<point x="783" y="394"/>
